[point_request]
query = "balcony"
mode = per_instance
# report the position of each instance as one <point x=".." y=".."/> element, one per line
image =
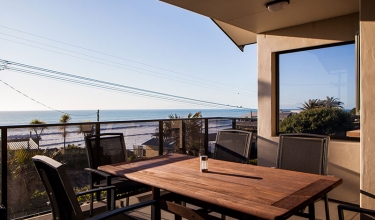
<point x="25" y="197"/>
<point x="143" y="138"/>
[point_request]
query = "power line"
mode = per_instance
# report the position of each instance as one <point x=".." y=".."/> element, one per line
<point x="167" y="76"/>
<point x="51" y="74"/>
<point x="106" y="54"/>
<point x="40" y="102"/>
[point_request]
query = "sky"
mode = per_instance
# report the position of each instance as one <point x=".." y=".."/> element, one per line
<point x="145" y="44"/>
<point x="316" y="74"/>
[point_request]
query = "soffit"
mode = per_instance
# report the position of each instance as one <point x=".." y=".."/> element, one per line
<point x="253" y="16"/>
<point x="239" y="36"/>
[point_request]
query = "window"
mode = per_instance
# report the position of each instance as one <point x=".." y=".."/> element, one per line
<point x="317" y="91"/>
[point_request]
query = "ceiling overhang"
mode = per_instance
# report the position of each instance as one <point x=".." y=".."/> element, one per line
<point x="239" y="36"/>
<point x="242" y="20"/>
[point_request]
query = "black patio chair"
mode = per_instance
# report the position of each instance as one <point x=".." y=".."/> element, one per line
<point x="233" y="145"/>
<point x="62" y="198"/>
<point x="304" y="152"/>
<point x="109" y="148"/>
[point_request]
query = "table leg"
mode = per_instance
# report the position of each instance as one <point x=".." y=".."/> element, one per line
<point x="312" y="211"/>
<point x="155" y="208"/>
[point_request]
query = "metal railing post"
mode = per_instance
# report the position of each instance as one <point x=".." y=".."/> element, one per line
<point x="4" y="168"/>
<point x="97" y="128"/>
<point x="206" y="136"/>
<point x="161" y="138"/>
<point x="183" y="127"/>
<point x="234" y="125"/>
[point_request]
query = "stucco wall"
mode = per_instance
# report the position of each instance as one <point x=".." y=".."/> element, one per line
<point x="344" y="155"/>
<point x="367" y="65"/>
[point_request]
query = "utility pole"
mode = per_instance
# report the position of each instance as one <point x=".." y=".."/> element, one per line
<point x="97" y="116"/>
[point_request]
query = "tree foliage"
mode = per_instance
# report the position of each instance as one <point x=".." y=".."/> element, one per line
<point x="65" y="118"/>
<point x="36" y="129"/>
<point x="186" y="135"/>
<point x="323" y="120"/>
<point x="329" y="102"/>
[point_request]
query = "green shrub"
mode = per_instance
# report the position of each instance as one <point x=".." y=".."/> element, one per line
<point x="72" y="146"/>
<point x="253" y="161"/>
<point x="328" y="121"/>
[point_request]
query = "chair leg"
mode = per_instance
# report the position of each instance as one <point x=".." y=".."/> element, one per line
<point x="91" y="213"/>
<point x="340" y="212"/>
<point x="127" y="201"/>
<point x="97" y="195"/>
<point x="326" y="206"/>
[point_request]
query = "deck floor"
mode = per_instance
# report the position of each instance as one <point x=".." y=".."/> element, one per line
<point x="144" y="213"/>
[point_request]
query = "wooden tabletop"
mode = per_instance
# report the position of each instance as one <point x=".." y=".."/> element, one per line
<point x="258" y="191"/>
<point x="354" y="133"/>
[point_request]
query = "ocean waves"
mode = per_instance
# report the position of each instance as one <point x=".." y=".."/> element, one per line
<point x="134" y="133"/>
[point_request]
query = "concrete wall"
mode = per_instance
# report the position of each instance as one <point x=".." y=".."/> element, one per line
<point x="344" y="155"/>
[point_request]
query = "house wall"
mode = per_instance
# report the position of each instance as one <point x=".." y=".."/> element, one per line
<point x="367" y="54"/>
<point x="344" y="159"/>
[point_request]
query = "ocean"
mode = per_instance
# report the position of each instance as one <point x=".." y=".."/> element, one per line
<point x="51" y="117"/>
<point x="134" y="133"/>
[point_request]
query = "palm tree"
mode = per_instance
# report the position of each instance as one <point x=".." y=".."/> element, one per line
<point x="332" y="102"/>
<point x="35" y="129"/>
<point x="65" y="118"/>
<point x="310" y="104"/>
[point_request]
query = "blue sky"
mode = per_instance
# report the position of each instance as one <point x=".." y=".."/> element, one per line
<point x="152" y="45"/>
<point x="316" y="74"/>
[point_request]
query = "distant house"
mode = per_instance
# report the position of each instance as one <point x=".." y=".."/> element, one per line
<point x="22" y="143"/>
<point x="150" y="148"/>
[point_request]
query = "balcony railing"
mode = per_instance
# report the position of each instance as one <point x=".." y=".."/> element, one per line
<point x="22" y="193"/>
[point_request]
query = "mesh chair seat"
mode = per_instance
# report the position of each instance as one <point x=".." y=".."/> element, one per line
<point x="294" y="150"/>
<point x="233" y="145"/>
<point x="304" y="153"/>
<point x="109" y="148"/>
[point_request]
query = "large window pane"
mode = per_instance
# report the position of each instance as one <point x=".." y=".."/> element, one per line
<point x="317" y="91"/>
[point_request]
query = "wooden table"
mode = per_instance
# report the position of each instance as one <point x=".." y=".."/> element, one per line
<point x="250" y="191"/>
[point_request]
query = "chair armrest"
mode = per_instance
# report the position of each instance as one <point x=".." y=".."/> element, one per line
<point x="95" y="190"/>
<point x="341" y="208"/>
<point x="101" y="173"/>
<point x="122" y="210"/>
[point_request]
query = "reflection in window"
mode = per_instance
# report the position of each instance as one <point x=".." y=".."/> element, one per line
<point x="317" y="91"/>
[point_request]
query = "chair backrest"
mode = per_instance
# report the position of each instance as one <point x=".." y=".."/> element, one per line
<point x="233" y="145"/>
<point x="303" y="152"/>
<point x="60" y="192"/>
<point x="104" y="149"/>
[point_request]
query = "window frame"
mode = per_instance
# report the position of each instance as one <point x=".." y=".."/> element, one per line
<point x="277" y="78"/>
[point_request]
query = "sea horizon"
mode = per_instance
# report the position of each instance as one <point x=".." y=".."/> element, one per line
<point x="50" y="116"/>
<point x="134" y="133"/>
